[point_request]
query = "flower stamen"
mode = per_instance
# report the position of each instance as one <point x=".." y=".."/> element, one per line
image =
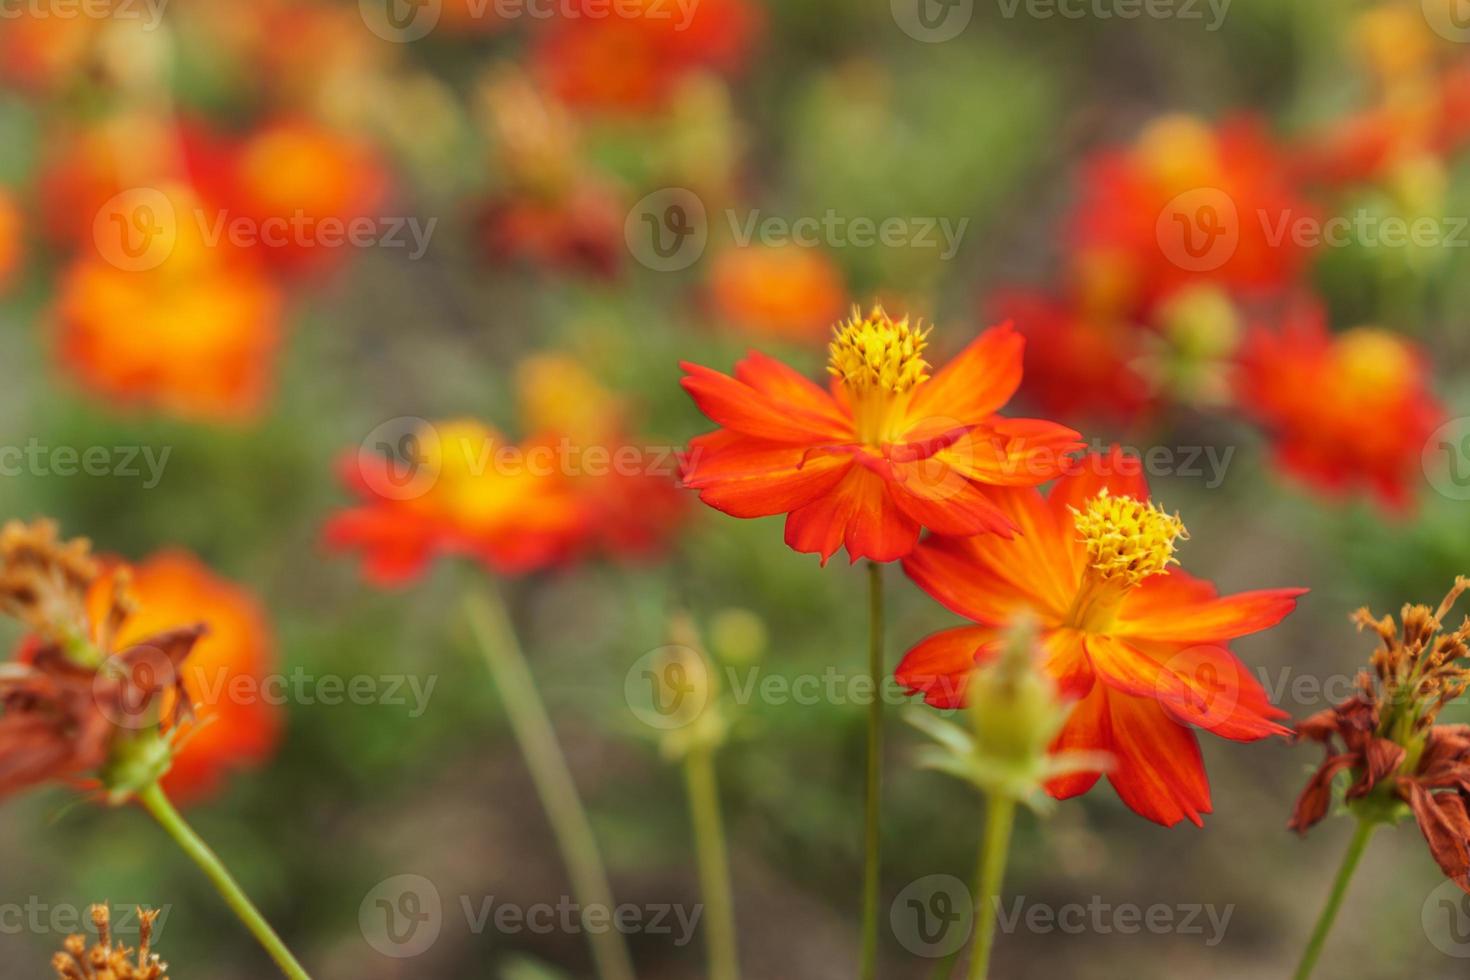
<point x="1128" y="540"/>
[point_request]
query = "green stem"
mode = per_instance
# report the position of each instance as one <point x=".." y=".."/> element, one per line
<point x="874" y="784"/>
<point x="714" y="864"/>
<point x="551" y="776"/>
<point x="156" y="803"/>
<point x="1350" y="861"/>
<point x="995" y="846"/>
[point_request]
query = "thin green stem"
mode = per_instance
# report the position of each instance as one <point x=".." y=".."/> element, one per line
<point x="156" y="803"/>
<point x="552" y="777"/>
<point x="995" y="846"/>
<point x="1350" y="860"/>
<point x="874" y="784"/>
<point x="714" y="864"/>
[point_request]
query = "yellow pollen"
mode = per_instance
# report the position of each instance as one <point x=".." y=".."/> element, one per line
<point x="876" y="354"/>
<point x="1127" y="540"/>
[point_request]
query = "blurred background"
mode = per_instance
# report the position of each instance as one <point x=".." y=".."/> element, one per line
<point x="243" y="243"/>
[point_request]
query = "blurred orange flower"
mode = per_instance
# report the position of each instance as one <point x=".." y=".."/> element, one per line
<point x="1346" y="411"/>
<point x="575" y="229"/>
<point x="40" y="52"/>
<point x="457" y="488"/>
<point x="596" y="59"/>
<point x="629" y="492"/>
<point x="303" y="186"/>
<point x="1143" y="649"/>
<point x="789" y="292"/>
<point x="234" y="724"/>
<point x="1187" y="203"/>
<point x="887" y="451"/>
<point x="158" y="317"/>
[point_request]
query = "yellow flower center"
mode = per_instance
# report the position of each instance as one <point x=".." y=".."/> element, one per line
<point x="1127" y="540"/>
<point x="1373" y="361"/>
<point x="1180" y="151"/>
<point x="879" y="361"/>
<point x="877" y="354"/>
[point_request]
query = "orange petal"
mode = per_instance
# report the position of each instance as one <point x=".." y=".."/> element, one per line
<point x="858" y="513"/>
<point x="790" y="387"/>
<point x="1158" y="770"/>
<point x="977" y="382"/>
<point x="987" y="578"/>
<point x="1203" y="686"/>
<point x="945" y="500"/>
<point x="1206" y="621"/>
<point x="1086" y="731"/>
<point x="939" y="666"/>
<point x="738" y="405"/>
<point x="1013" y="452"/>
<point x="746" y="477"/>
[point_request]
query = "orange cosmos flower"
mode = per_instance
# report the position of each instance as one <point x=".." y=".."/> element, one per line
<point x="304" y="186"/>
<point x="886" y="451"/>
<point x="1346" y="411"/>
<point x="233" y="725"/>
<point x="1143" y="649"/>
<point x="789" y="292"/>
<point x="1189" y="203"/>
<point x="10" y="238"/>
<point x="457" y="488"/>
<point x="194" y="334"/>
<point x="633" y="64"/>
<point x="629" y="493"/>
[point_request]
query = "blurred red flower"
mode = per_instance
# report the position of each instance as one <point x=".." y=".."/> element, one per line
<point x="1143" y="649"/>
<point x="1078" y="365"/>
<point x="1345" y="411"/>
<point x="887" y="451"/>
<point x="234" y="724"/>
<point x="11" y="232"/>
<point x="601" y="60"/>
<point x="574" y="229"/>
<point x="1189" y="203"/>
<point x="786" y="292"/>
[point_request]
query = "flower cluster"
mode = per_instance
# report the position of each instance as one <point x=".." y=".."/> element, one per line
<point x="107" y="960"/>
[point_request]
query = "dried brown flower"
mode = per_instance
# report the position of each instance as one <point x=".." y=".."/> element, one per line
<point x="69" y="701"/>
<point x="106" y="961"/>
<point x="1386" y="737"/>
